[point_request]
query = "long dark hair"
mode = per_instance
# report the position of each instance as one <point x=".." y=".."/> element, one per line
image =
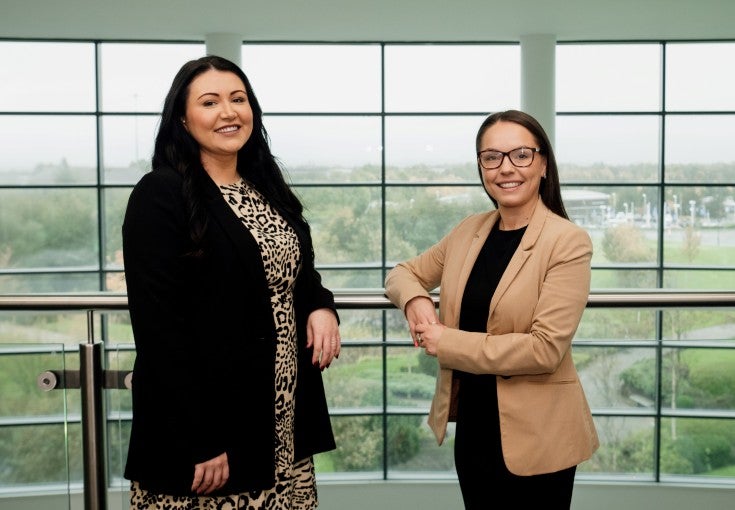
<point x="549" y="189"/>
<point x="177" y="149"/>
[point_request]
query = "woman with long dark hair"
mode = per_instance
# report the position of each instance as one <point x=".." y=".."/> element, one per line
<point x="232" y="325"/>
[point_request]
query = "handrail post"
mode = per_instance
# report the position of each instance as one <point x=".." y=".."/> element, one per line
<point x="91" y="379"/>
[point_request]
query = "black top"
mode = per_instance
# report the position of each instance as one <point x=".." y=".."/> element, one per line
<point x="483" y="280"/>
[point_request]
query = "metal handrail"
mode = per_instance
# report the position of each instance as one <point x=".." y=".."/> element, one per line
<point x="375" y="299"/>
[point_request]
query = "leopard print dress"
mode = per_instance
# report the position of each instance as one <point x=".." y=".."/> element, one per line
<point x="295" y="487"/>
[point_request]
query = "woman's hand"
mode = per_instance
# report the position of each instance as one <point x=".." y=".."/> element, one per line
<point x="428" y="336"/>
<point x="211" y="475"/>
<point x="322" y="332"/>
<point x="421" y="315"/>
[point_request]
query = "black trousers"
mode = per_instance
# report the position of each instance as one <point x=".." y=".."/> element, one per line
<point x="483" y="477"/>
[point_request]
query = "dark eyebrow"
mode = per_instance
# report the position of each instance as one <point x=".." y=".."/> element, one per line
<point x="238" y="91"/>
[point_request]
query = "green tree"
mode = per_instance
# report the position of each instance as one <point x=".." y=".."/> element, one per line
<point x="626" y="244"/>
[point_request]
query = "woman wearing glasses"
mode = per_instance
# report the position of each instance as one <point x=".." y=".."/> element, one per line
<point x="513" y="285"/>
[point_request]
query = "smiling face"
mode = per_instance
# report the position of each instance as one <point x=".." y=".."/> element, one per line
<point x="218" y="114"/>
<point x="516" y="189"/>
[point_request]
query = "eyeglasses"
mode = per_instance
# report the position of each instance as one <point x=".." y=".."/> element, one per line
<point x="521" y="157"/>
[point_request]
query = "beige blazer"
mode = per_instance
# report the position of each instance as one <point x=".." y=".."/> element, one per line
<point x="545" y="421"/>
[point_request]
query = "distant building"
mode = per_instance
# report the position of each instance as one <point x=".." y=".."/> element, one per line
<point x="586" y="207"/>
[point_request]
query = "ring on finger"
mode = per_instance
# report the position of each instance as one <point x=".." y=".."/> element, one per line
<point x="419" y="339"/>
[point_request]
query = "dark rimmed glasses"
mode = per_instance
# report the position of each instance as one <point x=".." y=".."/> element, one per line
<point x="490" y="159"/>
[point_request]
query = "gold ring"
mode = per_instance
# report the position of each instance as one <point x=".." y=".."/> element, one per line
<point x="419" y="339"/>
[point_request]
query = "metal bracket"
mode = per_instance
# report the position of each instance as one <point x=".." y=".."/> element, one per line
<point x="69" y="379"/>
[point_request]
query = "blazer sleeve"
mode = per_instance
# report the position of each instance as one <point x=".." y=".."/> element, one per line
<point x="162" y="288"/>
<point x="419" y="275"/>
<point x="155" y="244"/>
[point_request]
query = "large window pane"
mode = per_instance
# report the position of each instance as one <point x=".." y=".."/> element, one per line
<point x="611" y="376"/>
<point x="699" y="148"/>
<point x="360" y="326"/>
<point x="452" y="78"/>
<point x="127" y="147"/>
<point x="136" y="76"/>
<point x="359" y="447"/>
<point x="434" y="149"/>
<point x="616" y="279"/>
<point x="697" y="447"/>
<point x="356" y="382"/>
<point x="418" y="217"/>
<point x="626" y="448"/>
<point x="700" y="76"/>
<point x="42" y="283"/>
<point x="116" y="201"/>
<point x="44" y="149"/>
<point x="48" y="228"/>
<point x="314" y="77"/>
<point x="701" y="230"/>
<point x="589" y="208"/>
<point x="47" y="77"/>
<point x="352" y="277"/>
<point x="621" y="148"/>
<point x="613" y="325"/>
<point x="697" y="378"/>
<point x="622" y="222"/>
<point x="703" y="278"/>
<point x="345" y="223"/>
<point x="608" y="77"/>
<point x="411" y="377"/>
<point x="327" y="149"/>
<point x="713" y="326"/>
<point x="413" y="452"/>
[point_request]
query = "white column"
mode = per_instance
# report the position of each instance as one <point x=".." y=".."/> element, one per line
<point x="538" y="79"/>
<point x="226" y="45"/>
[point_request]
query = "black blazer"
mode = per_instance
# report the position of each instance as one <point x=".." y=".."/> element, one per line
<point x="203" y="380"/>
